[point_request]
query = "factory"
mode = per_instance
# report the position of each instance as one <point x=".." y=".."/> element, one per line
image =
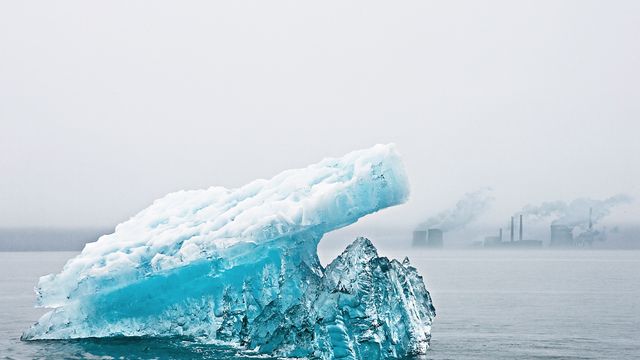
<point x="496" y="241"/>
<point x="431" y="238"/>
<point x="419" y="238"/>
<point x="493" y="241"/>
<point x="562" y="235"/>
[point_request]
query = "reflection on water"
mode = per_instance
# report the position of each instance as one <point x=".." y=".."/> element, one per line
<point x="129" y="348"/>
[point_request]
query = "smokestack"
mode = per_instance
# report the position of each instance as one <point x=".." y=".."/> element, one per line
<point x="512" y="228"/>
<point x="520" y="238"/>
<point x="590" y="221"/>
<point x="500" y="234"/>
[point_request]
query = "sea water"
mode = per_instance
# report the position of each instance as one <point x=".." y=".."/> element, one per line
<point x="538" y="304"/>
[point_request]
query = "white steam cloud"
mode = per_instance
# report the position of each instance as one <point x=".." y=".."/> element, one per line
<point x="467" y="209"/>
<point x="575" y="214"/>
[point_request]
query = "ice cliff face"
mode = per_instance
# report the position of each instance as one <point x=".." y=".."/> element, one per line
<point x="241" y="266"/>
<point x="363" y="307"/>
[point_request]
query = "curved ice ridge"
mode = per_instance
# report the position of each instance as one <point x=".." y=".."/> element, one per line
<point x="241" y="266"/>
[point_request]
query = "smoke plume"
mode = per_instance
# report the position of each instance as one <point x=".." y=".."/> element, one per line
<point x="466" y="210"/>
<point x="575" y="214"/>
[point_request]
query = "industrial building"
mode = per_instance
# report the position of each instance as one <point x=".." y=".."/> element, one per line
<point x="561" y="236"/>
<point x="496" y="241"/>
<point x="435" y="239"/>
<point x="525" y="243"/>
<point x="419" y="238"/>
<point x="493" y="241"/>
<point x="432" y="238"/>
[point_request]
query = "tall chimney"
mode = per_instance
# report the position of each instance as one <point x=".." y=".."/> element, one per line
<point x="520" y="238"/>
<point x="590" y="221"/>
<point x="512" y="228"/>
<point x="500" y="234"/>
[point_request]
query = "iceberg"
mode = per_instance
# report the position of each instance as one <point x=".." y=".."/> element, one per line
<point x="240" y="266"/>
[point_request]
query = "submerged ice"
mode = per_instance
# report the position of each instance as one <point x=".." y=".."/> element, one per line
<point x="241" y="266"/>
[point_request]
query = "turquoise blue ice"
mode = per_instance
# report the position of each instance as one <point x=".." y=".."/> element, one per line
<point x="240" y="266"/>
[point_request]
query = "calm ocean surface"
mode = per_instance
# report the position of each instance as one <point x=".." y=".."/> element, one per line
<point x="490" y="304"/>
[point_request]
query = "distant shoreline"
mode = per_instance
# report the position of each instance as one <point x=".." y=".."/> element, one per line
<point x="48" y="239"/>
<point x="42" y="239"/>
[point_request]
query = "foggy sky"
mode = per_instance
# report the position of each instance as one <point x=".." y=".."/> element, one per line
<point x="106" y="106"/>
